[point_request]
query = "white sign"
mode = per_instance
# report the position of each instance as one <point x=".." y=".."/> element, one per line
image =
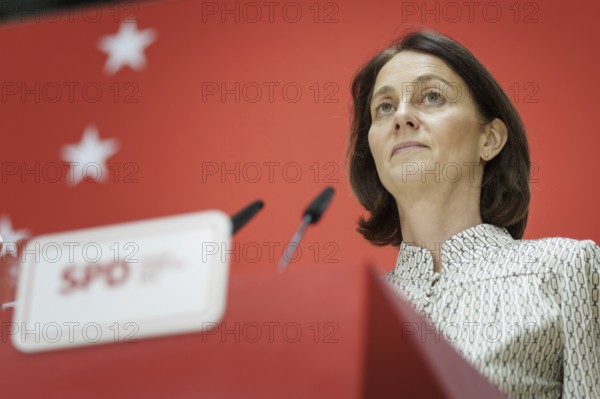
<point x="122" y="282"/>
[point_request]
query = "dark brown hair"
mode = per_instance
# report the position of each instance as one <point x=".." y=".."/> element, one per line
<point x="505" y="192"/>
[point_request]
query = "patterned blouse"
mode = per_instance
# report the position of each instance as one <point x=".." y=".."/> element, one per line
<point x="525" y="313"/>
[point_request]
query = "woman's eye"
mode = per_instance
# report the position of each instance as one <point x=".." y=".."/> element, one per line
<point x="384" y="108"/>
<point x="432" y="97"/>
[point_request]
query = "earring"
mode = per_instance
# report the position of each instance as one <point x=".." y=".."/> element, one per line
<point x="486" y="155"/>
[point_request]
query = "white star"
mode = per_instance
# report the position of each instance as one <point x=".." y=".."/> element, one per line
<point x="126" y="47"/>
<point x="10" y="237"/>
<point x="88" y="158"/>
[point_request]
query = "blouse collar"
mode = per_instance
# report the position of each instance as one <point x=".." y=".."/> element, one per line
<point x="462" y="248"/>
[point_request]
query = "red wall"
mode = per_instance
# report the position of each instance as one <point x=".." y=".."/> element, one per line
<point x="542" y="53"/>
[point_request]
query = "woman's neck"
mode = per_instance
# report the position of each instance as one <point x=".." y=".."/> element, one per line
<point x="430" y="223"/>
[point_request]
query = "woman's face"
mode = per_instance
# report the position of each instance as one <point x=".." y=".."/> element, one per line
<point x="425" y="127"/>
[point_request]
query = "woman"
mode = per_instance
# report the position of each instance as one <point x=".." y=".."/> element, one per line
<point x="439" y="158"/>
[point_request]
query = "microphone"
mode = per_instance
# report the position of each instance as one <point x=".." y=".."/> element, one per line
<point x="242" y="217"/>
<point x="311" y="215"/>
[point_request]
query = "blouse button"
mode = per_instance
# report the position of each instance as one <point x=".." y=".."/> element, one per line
<point x="434" y="279"/>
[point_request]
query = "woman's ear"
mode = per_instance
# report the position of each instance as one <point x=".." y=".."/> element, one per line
<point x="495" y="136"/>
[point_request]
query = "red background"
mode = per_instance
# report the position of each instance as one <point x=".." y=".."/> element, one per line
<point x="546" y="49"/>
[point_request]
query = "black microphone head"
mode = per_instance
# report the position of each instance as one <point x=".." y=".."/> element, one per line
<point x="318" y="206"/>
<point x="242" y="217"/>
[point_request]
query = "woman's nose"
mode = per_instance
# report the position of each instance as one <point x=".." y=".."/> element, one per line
<point x="404" y="117"/>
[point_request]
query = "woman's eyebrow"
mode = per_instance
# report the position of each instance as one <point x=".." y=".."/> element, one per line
<point x="421" y="79"/>
<point x="383" y="90"/>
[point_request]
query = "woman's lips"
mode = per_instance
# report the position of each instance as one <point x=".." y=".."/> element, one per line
<point x="406" y="147"/>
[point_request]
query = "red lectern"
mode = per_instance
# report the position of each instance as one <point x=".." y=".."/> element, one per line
<point x="312" y="332"/>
